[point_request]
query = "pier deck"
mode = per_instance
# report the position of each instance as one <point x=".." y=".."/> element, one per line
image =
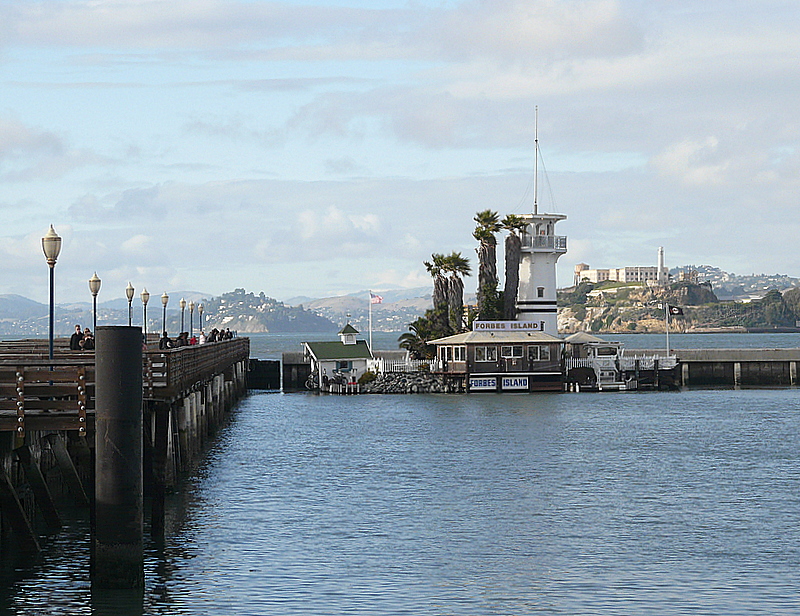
<point x="39" y="394"/>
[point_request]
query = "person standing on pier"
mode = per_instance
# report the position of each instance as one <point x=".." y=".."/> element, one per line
<point x="75" y="339"/>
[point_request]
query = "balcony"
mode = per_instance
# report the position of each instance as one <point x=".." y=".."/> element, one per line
<point x="554" y="243"/>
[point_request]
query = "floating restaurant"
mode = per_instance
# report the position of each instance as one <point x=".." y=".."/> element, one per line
<point x="496" y="356"/>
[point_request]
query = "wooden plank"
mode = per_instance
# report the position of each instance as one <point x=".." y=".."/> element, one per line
<point x="48" y="421"/>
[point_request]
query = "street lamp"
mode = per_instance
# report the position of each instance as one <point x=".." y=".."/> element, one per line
<point x="129" y="293"/>
<point x="182" y="304"/>
<point x="200" y="310"/>
<point x="94" y="288"/>
<point x="164" y="302"/>
<point x="51" y="245"/>
<point x="145" y="299"/>
<point x="191" y="318"/>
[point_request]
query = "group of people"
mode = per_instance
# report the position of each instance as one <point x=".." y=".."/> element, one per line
<point x="81" y="340"/>
<point x="183" y="339"/>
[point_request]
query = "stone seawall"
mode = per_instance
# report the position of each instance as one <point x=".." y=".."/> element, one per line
<point x="410" y="383"/>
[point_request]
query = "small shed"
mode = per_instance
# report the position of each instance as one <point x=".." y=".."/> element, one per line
<point x="343" y="360"/>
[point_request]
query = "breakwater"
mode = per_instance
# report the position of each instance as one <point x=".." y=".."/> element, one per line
<point x="412" y="383"/>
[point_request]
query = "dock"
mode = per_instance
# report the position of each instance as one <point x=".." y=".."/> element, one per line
<point x="47" y="424"/>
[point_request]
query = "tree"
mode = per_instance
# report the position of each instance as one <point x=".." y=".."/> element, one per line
<point x="436" y="269"/>
<point x="513" y="224"/>
<point x="421" y="332"/>
<point x="488" y="225"/>
<point x="456" y="266"/>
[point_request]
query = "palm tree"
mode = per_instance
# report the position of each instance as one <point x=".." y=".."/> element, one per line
<point x="436" y="269"/>
<point x="416" y="340"/>
<point x="488" y="224"/>
<point x="456" y="266"/>
<point x="513" y="224"/>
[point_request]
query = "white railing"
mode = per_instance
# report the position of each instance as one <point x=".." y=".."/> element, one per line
<point x="646" y="362"/>
<point x="382" y="366"/>
<point x="552" y="242"/>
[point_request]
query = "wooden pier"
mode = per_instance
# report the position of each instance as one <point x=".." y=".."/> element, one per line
<point x="47" y="424"/>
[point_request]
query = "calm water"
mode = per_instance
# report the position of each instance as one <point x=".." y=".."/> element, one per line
<point x="619" y="503"/>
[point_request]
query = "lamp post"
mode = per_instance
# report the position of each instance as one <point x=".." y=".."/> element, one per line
<point x="129" y="290"/>
<point x="191" y="318"/>
<point x="51" y="245"/>
<point x="164" y="302"/>
<point x="94" y="288"/>
<point x="182" y="304"/>
<point x="200" y="311"/>
<point x="145" y="299"/>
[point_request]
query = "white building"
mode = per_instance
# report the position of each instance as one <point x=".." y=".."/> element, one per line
<point x="646" y="274"/>
<point x="541" y="248"/>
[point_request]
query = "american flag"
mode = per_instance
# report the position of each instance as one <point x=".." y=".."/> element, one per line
<point x="375" y="299"/>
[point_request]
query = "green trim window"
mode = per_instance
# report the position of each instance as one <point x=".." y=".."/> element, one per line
<point x="485" y="353"/>
<point x="344" y="366"/>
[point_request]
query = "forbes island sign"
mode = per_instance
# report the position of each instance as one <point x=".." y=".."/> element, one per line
<point x="507" y="326"/>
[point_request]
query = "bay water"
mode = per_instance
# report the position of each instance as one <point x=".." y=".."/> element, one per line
<point x="616" y="503"/>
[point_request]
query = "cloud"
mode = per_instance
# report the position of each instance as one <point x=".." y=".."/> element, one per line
<point x="691" y="162"/>
<point x="20" y="141"/>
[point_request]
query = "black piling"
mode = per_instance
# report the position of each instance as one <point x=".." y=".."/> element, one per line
<point x="118" y="550"/>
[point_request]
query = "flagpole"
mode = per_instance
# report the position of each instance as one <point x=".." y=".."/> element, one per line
<point x="666" y="320"/>
<point x="370" y="321"/>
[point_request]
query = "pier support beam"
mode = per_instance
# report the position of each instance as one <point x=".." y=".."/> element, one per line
<point x="14" y="512"/>
<point x="737" y="374"/>
<point x="39" y="486"/>
<point x="118" y="543"/>
<point x="67" y="468"/>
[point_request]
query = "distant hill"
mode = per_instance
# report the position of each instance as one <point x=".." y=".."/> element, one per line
<point x="250" y="313"/>
<point x="18" y="307"/>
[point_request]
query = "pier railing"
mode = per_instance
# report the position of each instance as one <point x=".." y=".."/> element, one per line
<point x="37" y="393"/>
<point x="167" y="373"/>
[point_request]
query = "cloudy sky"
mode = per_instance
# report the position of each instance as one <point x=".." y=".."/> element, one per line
<point x="319" y="147"/>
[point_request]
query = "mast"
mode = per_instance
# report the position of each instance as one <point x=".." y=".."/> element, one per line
<point x="536" y="161"/>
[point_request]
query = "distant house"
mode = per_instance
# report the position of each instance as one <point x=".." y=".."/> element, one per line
<point x="502" y="360"/>
<point x="346" y="358"/>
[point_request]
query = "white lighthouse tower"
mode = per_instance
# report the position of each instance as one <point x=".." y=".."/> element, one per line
<point x="541" y="248"/>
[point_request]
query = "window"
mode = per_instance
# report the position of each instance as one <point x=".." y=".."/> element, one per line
<point x="539" y="353"/>
<point x="485" y="353"/>
<point x="343" y="366"/>
<point x="447" y="353"/>
<point x="540" y="291"/>
<point x="460" y="353"/>
<point x="511" y="351"/>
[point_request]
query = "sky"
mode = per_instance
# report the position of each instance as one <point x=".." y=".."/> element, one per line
<point x="320" y="147"/>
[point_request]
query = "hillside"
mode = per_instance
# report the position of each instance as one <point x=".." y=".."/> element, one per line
<point x="614" y="307"/>
<point x="249" y="313"/>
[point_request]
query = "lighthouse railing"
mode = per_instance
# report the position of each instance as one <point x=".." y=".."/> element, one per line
<point x="550" y="242"/>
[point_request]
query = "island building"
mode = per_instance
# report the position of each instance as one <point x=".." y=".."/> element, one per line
<point x="650" y="275"/>
<point x="500" y="356"/>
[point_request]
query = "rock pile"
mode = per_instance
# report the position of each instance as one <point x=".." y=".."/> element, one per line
<point x="409" y="383"/>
